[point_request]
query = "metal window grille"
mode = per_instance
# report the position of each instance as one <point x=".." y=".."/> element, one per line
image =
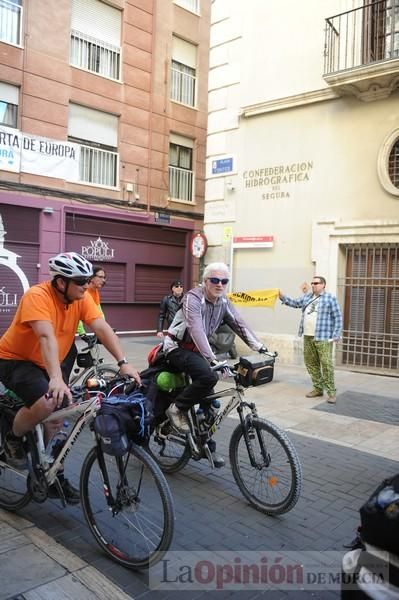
<point x="393" y="164"/>
<point x="362" y="36"/>
<point x="94" y="55"/>
<point x="191" y="5"/>
<point x="183" y="82"/>
<point x="10" y="22"/>
<point x="371" y="308"/>
<point x="98" y="166"/>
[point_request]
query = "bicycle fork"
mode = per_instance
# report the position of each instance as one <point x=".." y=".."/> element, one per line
<point x="249" y="434"/>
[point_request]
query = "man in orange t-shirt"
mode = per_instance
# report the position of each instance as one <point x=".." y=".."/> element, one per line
<point x="37" y="342"/>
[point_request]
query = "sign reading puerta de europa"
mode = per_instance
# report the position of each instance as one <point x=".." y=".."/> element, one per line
<point x="38" y="155"/>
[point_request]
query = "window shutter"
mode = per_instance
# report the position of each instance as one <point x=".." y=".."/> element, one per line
<point x="93" y="125"/>
<point x="184" y="52"/>
<point x="9" y="93"/>
<point x="98" y="20"/>
<point x="180" y="140"/>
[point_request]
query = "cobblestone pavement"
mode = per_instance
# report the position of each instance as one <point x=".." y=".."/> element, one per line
<point x="343" y="459"/>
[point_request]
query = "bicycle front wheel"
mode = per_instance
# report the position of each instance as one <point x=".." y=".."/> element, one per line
<point x="103" y="372"/>
<point x="272" y="481"/>
<point x="128" y="506"/>
<point x="14" y="493"/>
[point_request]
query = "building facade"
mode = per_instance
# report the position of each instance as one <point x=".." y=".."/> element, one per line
<point x="302" y="164"/>
<point x="103" y="114"/>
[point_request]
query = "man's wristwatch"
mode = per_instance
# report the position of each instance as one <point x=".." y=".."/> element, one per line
<point x="122" y="361"/>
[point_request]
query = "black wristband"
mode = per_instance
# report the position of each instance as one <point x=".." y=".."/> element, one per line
<point x="122" y="361"/>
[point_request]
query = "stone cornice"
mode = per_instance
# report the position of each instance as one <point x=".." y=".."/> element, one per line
<point x="254" y="110"/>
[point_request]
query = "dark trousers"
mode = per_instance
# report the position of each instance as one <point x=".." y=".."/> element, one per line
<point x="203" y="379"/>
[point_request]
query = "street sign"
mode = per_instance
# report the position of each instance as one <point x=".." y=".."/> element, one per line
<point x="253" y="241"/>
<point x="222" y="165"/>
<point x="160" y="217"/>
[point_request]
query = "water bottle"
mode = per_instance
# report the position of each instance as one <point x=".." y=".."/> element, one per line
<point x="56" y="443"/>
<point x="7" y="393"/>
<point x="201" y="419"/>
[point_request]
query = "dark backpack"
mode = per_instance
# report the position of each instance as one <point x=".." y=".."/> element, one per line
<point x="380" y="517"/>
<point x="121" y="420"/>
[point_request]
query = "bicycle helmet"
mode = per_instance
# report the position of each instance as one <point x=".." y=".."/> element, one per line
<point x="69" y="265"/>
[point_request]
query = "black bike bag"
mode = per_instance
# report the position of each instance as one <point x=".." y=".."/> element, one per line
<point x="255" y="369"/>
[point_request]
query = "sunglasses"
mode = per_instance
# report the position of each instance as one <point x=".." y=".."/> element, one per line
<point x="80" y="280"/>
<point x="315" y="283"/>
<point x="216" y="280"/>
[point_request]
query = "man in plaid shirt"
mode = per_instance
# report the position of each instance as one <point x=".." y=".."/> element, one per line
<point x="321" y="326"/>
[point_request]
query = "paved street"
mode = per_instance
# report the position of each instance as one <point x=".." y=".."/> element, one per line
<point x="343" y="459"/>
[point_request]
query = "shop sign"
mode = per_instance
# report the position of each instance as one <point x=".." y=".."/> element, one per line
<point x="98" y="250"/>
<point x="9" y="299"/>
<point x="22" y="152"/>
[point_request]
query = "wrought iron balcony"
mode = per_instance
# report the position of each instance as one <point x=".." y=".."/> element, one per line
<point x="361" y="50"/>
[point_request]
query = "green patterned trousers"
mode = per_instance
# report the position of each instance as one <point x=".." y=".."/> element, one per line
<point x="319" y="363"/>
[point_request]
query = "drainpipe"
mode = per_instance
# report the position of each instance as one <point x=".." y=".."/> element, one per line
<point x="154" y="12"/>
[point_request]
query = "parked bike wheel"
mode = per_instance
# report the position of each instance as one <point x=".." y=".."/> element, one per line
<point x="14" y="493"/>
<point x="133" y="520"/>
<point x="272" y="483"/>
<point x="169" y="449"/>
<point x="104" y="372"/>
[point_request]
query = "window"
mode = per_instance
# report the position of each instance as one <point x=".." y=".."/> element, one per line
<point x="181" y="176"/>
<point x="10" y="21"/>
<point x="191" y="5"/>
<point x="97" y="134"/>
<point x="393" y="164"/>
<point x="95" y="38"/>
<point x="183" y="73"/>
<point x="8" y="104"/>
<point x="381" y="30"/>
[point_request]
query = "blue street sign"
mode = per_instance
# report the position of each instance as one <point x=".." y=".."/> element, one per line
<point x="222" y="165"/>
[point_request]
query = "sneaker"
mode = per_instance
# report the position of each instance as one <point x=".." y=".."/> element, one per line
<point x="314" y="393"/>
<point x="71" y="494"/>
<point x="218" y="461"/>
<point x="332" y="399"/>
<point x="14" y="451"/>
<point x="178" y="418"/>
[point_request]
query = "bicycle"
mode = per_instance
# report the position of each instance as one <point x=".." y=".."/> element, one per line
<point x="126" y="500"/>
<point x="89" y="363"/>
<point x="264" y="462"/>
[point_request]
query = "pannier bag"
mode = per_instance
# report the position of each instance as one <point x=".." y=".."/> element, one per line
<point x="255" y="369"/>
<point x="380" y="517"/>
<point x="121" y="420"/>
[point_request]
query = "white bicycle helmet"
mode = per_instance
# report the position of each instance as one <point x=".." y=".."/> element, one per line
<point x="70" y="264"/>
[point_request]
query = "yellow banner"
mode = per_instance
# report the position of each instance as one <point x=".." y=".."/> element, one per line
<point x="255" y="298"/>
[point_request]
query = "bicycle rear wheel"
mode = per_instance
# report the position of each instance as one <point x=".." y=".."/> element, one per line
<point x="14" y="493"/>
<point x="133" y="520"/>
<point x="273" y="483"/>
<point x="169" y="449"/>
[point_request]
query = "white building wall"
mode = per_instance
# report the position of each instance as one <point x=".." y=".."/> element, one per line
<point x="270" y="110"/>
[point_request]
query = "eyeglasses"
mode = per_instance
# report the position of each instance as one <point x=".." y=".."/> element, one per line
<point x="316" y="283"/>
<point x="216" y="280"/>
<point x="80" y="280"/>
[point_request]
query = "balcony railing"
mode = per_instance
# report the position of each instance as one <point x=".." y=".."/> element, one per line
<point x="182" y="87"/>
<point x="94" y="55"/>
<point x="362" y="36"/>
<point x="10" y="22"/>
<point x="181" y="184"/>
<point x="99" y="167"/>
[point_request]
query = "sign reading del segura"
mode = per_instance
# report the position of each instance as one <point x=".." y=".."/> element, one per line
<point x="38" y="155"/>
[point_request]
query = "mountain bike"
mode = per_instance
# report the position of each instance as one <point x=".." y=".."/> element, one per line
<point x="264" y="462"/>
<point x="89" y="363"/>
<point x="126" y="500"/>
